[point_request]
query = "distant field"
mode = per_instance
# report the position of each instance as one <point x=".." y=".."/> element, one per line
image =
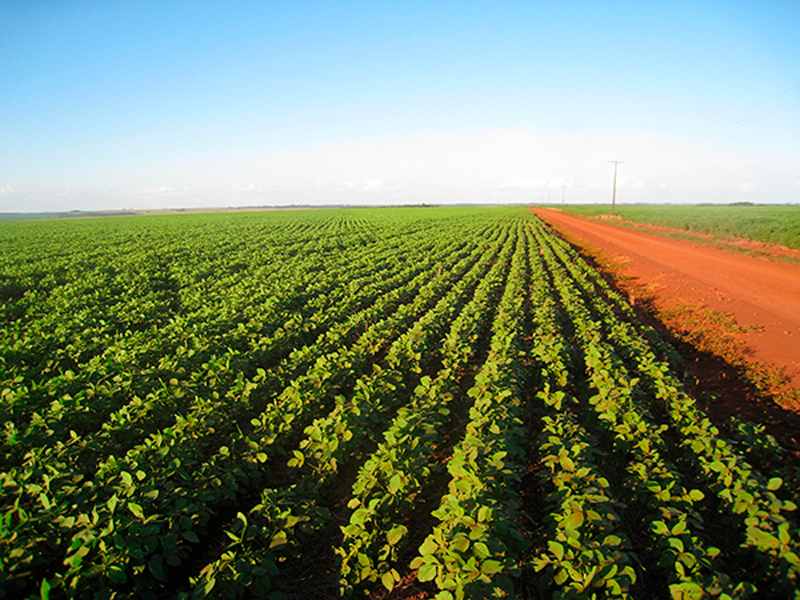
<point x="772" y="224"/>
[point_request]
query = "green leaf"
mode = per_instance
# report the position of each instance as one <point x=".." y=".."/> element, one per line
<point x="460" y="543"/>
<point x="783" y="533"/>
<point x="298" y="459"/>
<point x="717" y="466"/>
<point x="481" y="549"/>
<point x="395" y="534"/>
<point x="791" y="558"/>
<point x="156" y="567"/>
<point x="209" y="586"/>
<point x="358" y="516"/>
<point x="68" y="522"/>
<point x="490" y="567"/>
<point x="679" y="528"/>
<point x="686" y="591"/>
<point x="44" y="590"/>
<point x="387" y="579"/>
<point x="557" y="549"/>
<point x="677" y="544"/>
<point x="279" y="539"/>
<point x="395" y="483"/>
<point x="574" y="520"/>
<point x="426" y="572"/>
<point x="761" y="539"/>
<point x="660" y="528"/>
<point x="567" y="464"/>
<point x="191" y="536"/>
<point x="696" y="495"/>
<point x="117" y="575"/>
<point x="429" y="546"/>
<point x="484" y="513"/>
<point x="136" y="510"/>
<point x="774" y="484"/>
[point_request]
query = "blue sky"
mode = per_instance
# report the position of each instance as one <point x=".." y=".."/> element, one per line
<point x="178" y="104"/>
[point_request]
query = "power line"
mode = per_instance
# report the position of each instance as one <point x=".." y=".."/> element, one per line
<point x="748" y="115"/>
<point x="757" y="117"/>
<point x="745" y="121"/>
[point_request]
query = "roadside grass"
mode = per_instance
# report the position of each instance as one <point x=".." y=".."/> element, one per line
<point x="741" y="245"/>
<point x="728" y="244"/>
<point x="775" y="224"/>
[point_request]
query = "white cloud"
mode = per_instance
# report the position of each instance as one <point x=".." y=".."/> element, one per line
<point x="746" y="186"/>
<point x="522" y="183"/>
<point x="159" y="191"/>
<point x="248" y="187"/>
<point x="534" y="183"/>
<point x="7" y="189"/>
<point x="371" y="185"/>
<point x="796" y="184"/>
<point x="634" y="184"/>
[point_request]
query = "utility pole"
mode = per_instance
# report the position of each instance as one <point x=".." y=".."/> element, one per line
<point x="563" y="193"/>
<point x="614" y="195"/>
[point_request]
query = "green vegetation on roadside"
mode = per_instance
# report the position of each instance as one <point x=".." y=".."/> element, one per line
<point x="771" y="224"/>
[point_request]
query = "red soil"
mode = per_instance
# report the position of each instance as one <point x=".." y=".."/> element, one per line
<point x="755" y="291"/>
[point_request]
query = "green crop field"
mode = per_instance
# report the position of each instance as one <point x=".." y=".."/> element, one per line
<point x="771" y="224"/>
<point x="440" y="402"/>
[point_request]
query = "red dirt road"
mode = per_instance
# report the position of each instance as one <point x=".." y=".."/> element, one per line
<point x="755" y="291"/>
